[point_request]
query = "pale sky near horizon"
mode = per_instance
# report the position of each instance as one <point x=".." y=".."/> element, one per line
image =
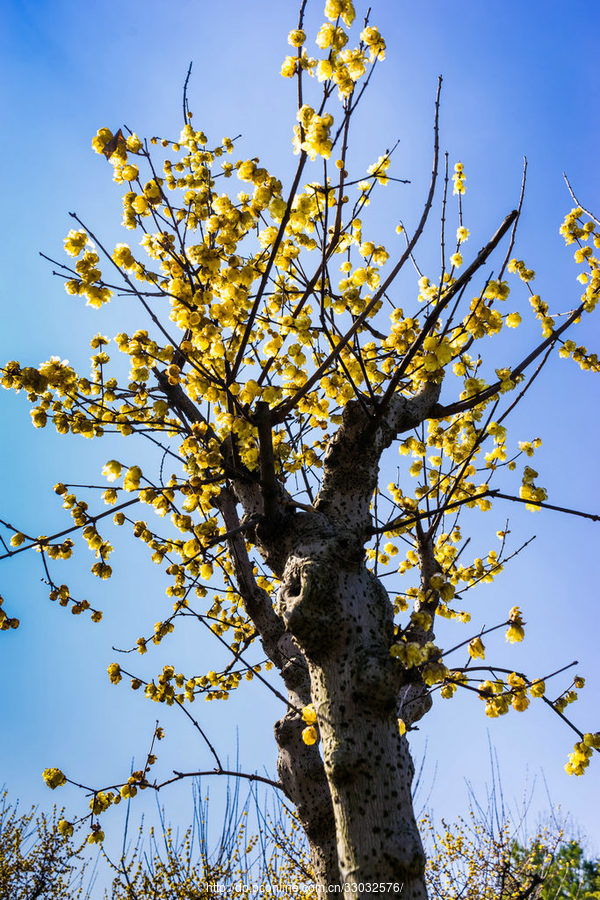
<point x="519" y="79"/>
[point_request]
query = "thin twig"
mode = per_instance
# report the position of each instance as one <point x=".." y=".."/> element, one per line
<point x="572" y="193"/>
<point x="286" y="406"/>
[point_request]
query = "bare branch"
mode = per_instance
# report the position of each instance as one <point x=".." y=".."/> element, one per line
<point x="516" y="223"/>
<point x="563" y="509"/>
<point x="230" y="772"/>
<point x="267" y="463"/>
<point x="586" y="211"/>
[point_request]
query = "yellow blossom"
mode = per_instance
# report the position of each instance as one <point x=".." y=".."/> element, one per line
<point x="296" y="37"/>
<point x="309" y="715"/>
<point x="310" y="735"/>
<point x="65" y="828"/>
<point x="54" y="778"/>
<point x="477" y="648"/>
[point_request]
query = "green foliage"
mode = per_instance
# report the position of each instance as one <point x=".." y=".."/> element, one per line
<point x="568" y="876"/>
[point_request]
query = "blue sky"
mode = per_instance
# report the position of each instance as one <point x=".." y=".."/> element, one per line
<point x="519" y="79"/>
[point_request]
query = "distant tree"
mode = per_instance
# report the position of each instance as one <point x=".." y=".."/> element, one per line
<point x="478" y="859"/>
<point x="568" y="875"/>
<point x="257" y="853"/>
<point x="276" y="362"/>
<point x="40" y="856"/>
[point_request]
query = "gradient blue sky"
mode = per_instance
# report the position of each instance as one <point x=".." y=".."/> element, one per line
<point x="519" y="78"/>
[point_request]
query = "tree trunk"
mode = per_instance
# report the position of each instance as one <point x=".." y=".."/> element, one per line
<point x="356" y="806"/>
<point x="341" y="618"/>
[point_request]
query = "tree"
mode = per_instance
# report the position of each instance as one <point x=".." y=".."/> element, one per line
<point x="39" y="855"/>
<point x="482" y="859"/>
<point x="275" y="388"/>
<point x="571" y="875"/>
<point x="491" y="853"/>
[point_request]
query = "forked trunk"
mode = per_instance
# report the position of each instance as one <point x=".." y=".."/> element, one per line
<point x="355" y="803"/>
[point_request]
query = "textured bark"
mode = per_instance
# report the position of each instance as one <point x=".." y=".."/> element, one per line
<point x="341" y="616"/>
<point x="302" y="775"/>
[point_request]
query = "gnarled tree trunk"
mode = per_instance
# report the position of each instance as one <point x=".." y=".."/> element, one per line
<point x="330" y="635"/>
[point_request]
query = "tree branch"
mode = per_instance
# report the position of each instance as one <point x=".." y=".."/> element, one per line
<point x="278" y="645"/>
<point x="442" y="412"/>
<point x="460" y="283"/>
<point x="285" y="407"/>
<point x="267" y="464"/>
